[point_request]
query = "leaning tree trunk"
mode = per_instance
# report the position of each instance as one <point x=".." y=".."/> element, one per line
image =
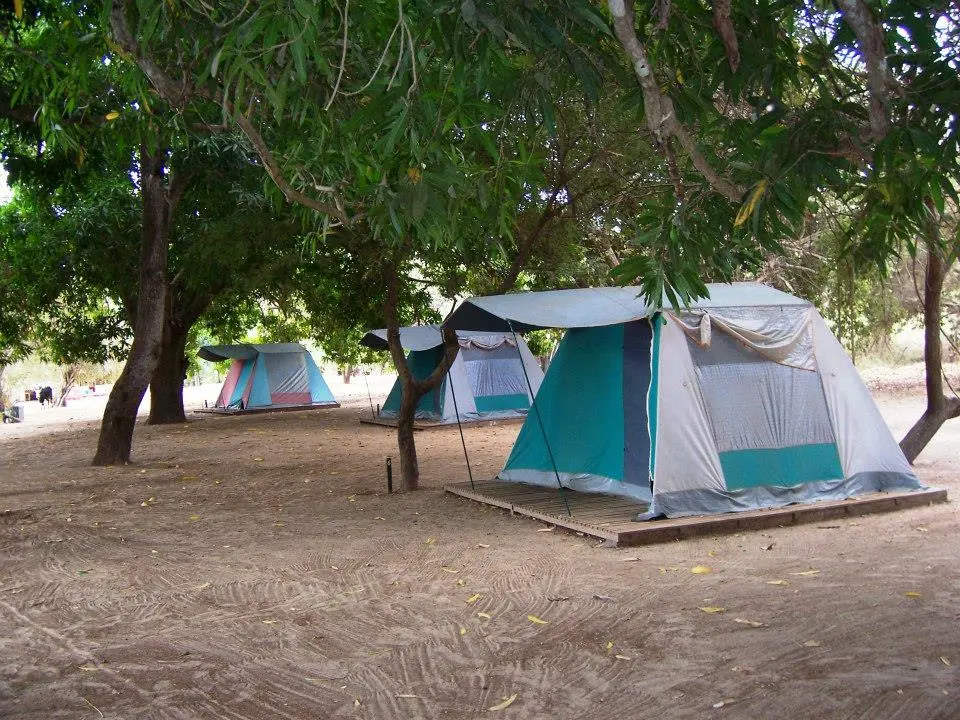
<point x="166" y="385"/>
<point x="940" y="408"/>
<point x="3" y="394"/>
<point x="116" y="430"/>
<point x="411" y="389"/>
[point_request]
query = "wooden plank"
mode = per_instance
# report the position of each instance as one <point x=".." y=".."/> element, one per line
<point x="610" y="518"/>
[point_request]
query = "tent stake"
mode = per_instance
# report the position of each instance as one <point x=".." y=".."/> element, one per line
<point x="463" y="442"/>
<point x="543" y="430"/>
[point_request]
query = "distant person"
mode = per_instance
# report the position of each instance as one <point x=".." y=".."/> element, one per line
<point x="46" y="396"/>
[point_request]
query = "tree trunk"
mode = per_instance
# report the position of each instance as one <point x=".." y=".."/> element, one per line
<point x="411" y="389"/>
<point x="347" y="372"/>
<point x="166" y="384"/>
<point x="119" y="417"/>
<point x="3" y="394"/>
<point x="940" y="408"/>
<point x="70" y="374"/>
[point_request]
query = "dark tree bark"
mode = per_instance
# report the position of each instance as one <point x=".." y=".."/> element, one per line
<point x="119" y="417"/>
<point x="411" y="389"/>
<point x="166" y="384"/>
<point x="940" y="408"/>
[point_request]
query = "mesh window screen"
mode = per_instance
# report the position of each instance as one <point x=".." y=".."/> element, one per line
<point x="494" y="372"/>
<point x="755" y="403"/>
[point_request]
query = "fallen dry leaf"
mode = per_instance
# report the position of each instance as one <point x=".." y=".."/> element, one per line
<point x="558" y="598"/>
<point x="751" y="623"/>
<point x="463" y="631"/>
<point x="430" y="540"/>
<point x="623" y="657"/>
<point x="473" y="598"/>
<point x="767" y="547"/>
<point x="269" y="622"/>
<point x="548" y="529"/>
<point x="604" y="598"/>
<point x="945" y="660"/>
<point x="461" y="582"/>
<point x="405" y="695"/>
<point x="609" y="646"/>
<point x="505" y="704"/>
<point x="812" y="643"/>
<point x="449" y="570"/>
<point x="913" y="594"/>
<point x="484" y="615"/>
<point x="710" y="609"/>
<point x="701" y="570"/>
<point x="537" y="621"/>
<point x="482" y="545"/>
<point x="777" y="582"/>
<point x="807" y="573"/>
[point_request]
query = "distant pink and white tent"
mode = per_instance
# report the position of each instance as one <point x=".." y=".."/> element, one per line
<point x="269" y="376"/>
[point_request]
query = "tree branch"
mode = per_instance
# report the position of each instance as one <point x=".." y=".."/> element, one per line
<point x="179" y="94"/>
<point x="724" y="27"/>
<point x="658" y="107"/>
<point x="883" y="86"/>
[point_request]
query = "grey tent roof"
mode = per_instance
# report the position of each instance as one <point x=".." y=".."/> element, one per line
<point x="593" y="307"/>
<point x="216" y="353"/>
<point x="416" y="337"/>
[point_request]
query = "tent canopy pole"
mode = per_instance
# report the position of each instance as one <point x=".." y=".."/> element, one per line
<point x="456" y="410"/>
<point x="543" y="430"/>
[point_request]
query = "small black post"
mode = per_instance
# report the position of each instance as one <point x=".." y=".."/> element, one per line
<point x="389" y="475"/>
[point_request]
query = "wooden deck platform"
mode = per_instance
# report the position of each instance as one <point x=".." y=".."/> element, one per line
<point x="427" y="425"/>
<point x="259" y="410"/>
<point x="611" y="518"/>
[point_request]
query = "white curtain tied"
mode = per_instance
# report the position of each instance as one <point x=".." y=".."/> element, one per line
<point x="780" y="334"/>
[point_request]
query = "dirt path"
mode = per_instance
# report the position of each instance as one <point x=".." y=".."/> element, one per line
<point x="254" y="567"/>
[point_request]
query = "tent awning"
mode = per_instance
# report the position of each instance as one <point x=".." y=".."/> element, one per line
<point x="218" y="353"/>
<point x="424" y="337"/>
<point x="594" y="307"/>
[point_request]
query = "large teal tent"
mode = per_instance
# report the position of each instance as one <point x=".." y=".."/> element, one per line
<point x="269" y="376"/>
<point x="494" y="375"/>
<point x="743" y="400"/>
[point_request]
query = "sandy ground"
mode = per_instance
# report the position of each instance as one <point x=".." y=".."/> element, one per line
<point x="254" y="567"/>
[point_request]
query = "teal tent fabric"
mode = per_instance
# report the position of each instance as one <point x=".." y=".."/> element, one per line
<point x="421" y="364"/>
<point x="581" y="405"/>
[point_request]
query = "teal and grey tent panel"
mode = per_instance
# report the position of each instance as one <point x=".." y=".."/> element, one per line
<point x="770" y="421"/>
<point x="496" y="378"/>
<point x="319" y="390"/>
<point x="582" y="404"/>
<point x="431" y="406"/>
